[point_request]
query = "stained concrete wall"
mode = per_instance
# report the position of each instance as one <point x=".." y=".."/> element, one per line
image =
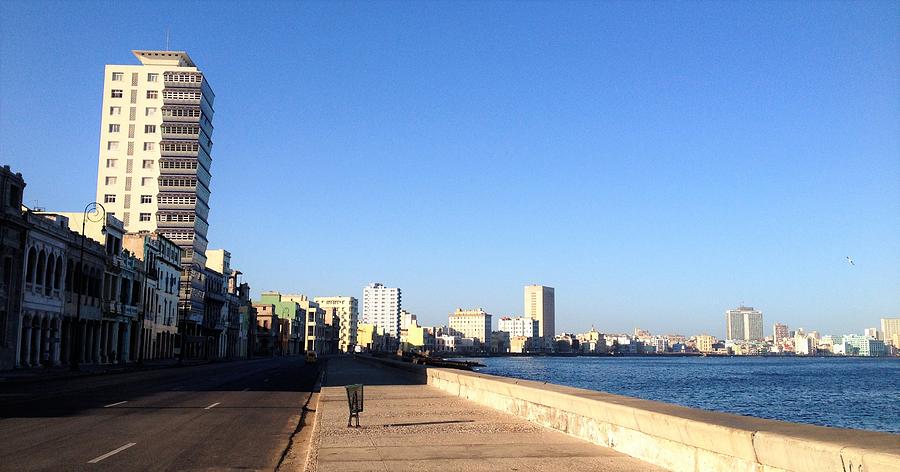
<point x="674" y="437"/>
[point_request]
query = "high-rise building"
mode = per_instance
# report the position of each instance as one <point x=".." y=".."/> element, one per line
<point x="540" y="304"/>
<point x="347" y="311"/>
<point x="872" y="333"/>
<point x="744" y="323"/>
<point x="381" y="307"/>
<point x="779" y="332"/>
<point x="475" y="324"/>
<point x="154" y="158"/>
<point x="890" y="330"/>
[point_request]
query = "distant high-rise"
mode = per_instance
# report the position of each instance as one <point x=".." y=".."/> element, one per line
<point x="744" y="324"/>
<point x="540" y="304"/>
<point x="779" y="332"/>
<point x="381" y="307"/>
<point x="890" y="331"/>
<point x="154" y="159"/>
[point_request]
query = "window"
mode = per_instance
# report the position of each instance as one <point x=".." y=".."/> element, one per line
<point x="150" y="111"/>
<point x="149" y="128"/>
<point x="116" y="93"/>
<point x="110" y="180"/>
<point x="145" y="181"/>
<point x="146" y="199"/>
<point x="113" y="128"/>
<point x="147" y="164"/>
<point x="149" y="146"/>
<point x="110" y="163"/>
<point x="109" y="198"/>
<point x="112" y="145"/>
<point x="115" y="111"/>
<point x="152" y="94"/>
<point x="117" y="76"/>
<point x="152" y="77"/>
<point x="145" y="217"/>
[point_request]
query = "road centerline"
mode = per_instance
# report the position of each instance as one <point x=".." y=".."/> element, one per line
<point x="211" y="406"/>
<point x="110" y="453"/>
<point x="114" y="404"/>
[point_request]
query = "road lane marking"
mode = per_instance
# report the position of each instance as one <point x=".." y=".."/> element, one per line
<point x="114" y="404"/>
<point x="110" y="453"/>
<point x="214" y="404"/>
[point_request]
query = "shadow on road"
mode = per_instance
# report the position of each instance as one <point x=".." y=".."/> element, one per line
<point x="160" y="388"/>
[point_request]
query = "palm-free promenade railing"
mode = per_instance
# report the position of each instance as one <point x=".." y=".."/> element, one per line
<point x="675" y="437"/>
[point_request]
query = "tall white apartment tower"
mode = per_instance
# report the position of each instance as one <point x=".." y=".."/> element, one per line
<point x="381" y="307"/>
<point x="540" y="304"/>
<point x="154" y="166"/>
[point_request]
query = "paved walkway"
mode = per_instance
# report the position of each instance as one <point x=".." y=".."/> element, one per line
<point x="409" y="426"/>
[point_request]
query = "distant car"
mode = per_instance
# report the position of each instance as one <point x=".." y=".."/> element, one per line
<point x="311" y="357"/>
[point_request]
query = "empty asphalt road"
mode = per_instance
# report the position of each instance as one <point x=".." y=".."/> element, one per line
<point x="232" y="415"/>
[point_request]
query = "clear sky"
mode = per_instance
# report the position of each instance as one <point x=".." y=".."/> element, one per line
<point x="655" y="162"/>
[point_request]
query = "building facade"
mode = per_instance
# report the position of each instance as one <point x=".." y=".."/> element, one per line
<point x="475" y="324"/>
<point x="154" y="161"/>
<point x="890" y="331"/>
<point x="540" y="305"/>
<point x="347" y="311"/>
<point x="779" y="332"/>
<point x="161" y="260"/>
<point x="13" y="234"/>
<point x="704" y="343"/>
<point x="381" y="307"/>
<point x="744" y="323"/>
<point x="312" y="326"/>
<point x="519" y="326"/>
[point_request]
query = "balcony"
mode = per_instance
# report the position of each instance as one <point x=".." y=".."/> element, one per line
<point x="177" y="206"/>
<point x="192" y="136"/>
<point x="112" y="309"/>
<point x="180" y="100"/>
<point x="183" y="85"/>
<point x="130" y="310"/>
<point x="179" y="119"/>
<point x="175" y="224"/>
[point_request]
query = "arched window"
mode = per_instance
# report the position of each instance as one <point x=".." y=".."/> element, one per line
<point x="32" y="260"/>
<point x="70" y="272"/>
<point x="57" y="275"/>
<point x="77" y="278"/>
<point x="48" y="274"/>
<point x="41" y="268"/>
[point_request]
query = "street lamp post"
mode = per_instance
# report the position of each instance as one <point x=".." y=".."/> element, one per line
<point x="95" y="212"/>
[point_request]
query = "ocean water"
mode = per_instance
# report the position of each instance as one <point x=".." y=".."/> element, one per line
<point x="860" y="393"/>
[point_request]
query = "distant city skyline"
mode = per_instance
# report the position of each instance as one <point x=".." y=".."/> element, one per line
<point x="655" y="172"/>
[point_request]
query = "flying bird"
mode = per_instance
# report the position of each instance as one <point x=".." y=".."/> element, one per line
<point x="850" y="261"/>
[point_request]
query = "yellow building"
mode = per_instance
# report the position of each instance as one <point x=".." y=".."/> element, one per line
<point x="475" y="324"/>
<point x="540" y="304"/>
<point x="369" y="337"/>
<point x="705" y="343"/>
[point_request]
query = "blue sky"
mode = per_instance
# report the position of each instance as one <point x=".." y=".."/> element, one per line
<point x="656" y="162"/>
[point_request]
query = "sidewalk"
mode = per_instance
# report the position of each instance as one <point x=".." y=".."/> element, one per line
<point x="409" y="426"/>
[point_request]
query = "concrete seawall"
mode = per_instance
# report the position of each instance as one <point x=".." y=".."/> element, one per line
<point x="674" y="437"/>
